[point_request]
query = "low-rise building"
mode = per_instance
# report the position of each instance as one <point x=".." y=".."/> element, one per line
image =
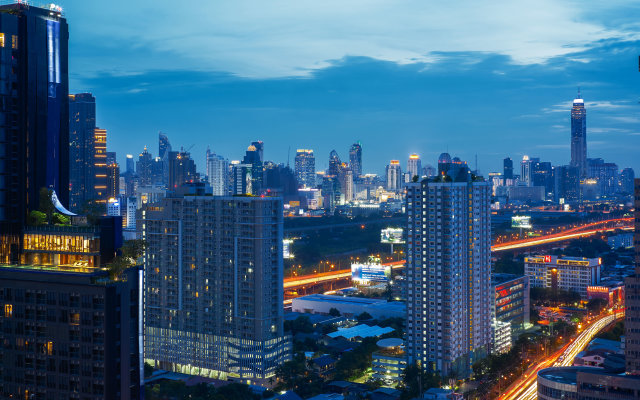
<point x="566" y="273"/>
<point x="586" y="383"/>
<point x="348" y="306"/>
<point x="512" y="300"/>
<point x="500" y="337"/>
<point x="389" y="361"/>
<point x="612" y="291"/>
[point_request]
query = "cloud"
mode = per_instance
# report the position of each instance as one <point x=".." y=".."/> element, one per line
<point x="566" y="106"/>
<point x="258" y="39"/>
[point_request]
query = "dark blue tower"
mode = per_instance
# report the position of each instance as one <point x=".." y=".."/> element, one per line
<point x="579" y="135"/>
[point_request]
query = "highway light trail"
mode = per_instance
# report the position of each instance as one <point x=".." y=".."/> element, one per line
<point x="527" y="389"/>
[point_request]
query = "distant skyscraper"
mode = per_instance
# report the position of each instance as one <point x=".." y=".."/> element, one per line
<point x="626" y="181"/>
<point x="394" y="176"/>
<point x="254" y="157"/>
<point x="131" y="168"/>
<point x="305" y="168"/>
<point x="222" y="316"/>
<point x="448" y="274"/>
<point x="527" y="167"/>
<point x="579" y="136"/>
<point x="145" y="168"/>
<point x="100" y="165"/>
<point x="414" y="166"/>
<point x="606" y="174"/>
<point x="113" y="180"/>
<point x="335" y="165"/>
<point x="82" y="124"/>
<point x="164" y="146"/>
<point x="355" y="160"/>
<point x="566" y="180"/>
<point x="111" y="157"/>
<point x="182" y="169"/>
<point x="217" y="168"/>
<point x="507" y="168"/>
<point x="34" y="143"/>
<point x="242" y="182"/>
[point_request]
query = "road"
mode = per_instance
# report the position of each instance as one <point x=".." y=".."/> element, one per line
<point x="573" y="233"/>
<point x="526" y="387"/>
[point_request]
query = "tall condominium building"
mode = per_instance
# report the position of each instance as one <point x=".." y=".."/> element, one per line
<point x="217" y="169"/>
<point x="100" y="165"/>
<point x="579" y="136"/>
<point x="449" y="293"/>
<point x="34" y="143"/>
<point x="527" y="168"/>
<point x="144" y="167"/>
<point x="355" y="160"/>
<point x="632" y="298"/>
<point x="394" y="176"/>
<point x="82" y="124"/>
<point x="566" y="273"/>
<point x="305" y="168"/>
<point x="507" y="165"/>
<point x="414" y="166"/>
<point x="335" y="165"/>
<point x="214" y="292"/>
<point x="131" y="166"/>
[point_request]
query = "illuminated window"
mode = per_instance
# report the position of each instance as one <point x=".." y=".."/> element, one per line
<point x="48" y="348"/>
<point x="8" y="310"/>
<point x="74" y="318"/>
<point x="1" y="39"/>
<point x="14" y="41"/>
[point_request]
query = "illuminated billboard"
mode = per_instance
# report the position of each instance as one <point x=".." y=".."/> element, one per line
<point x="392" y="235"/>
<point x="286" y="249"/>
<point x="370" y="272"/>
<point x="521" y="221"/>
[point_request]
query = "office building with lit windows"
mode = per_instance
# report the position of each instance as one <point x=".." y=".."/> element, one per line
<point x="305" y="168"/>
<point x="511" y="300"/>
<point x="214" y="286"/>
<point x="449" y="293"/>
<point x="565" y="273"/>
<point x="100" y="166"/>
<point x="394" y="176"/>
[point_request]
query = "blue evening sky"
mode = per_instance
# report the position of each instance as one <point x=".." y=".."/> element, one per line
<point x="491" y="78"/>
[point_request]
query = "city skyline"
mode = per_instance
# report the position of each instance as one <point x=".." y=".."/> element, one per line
<point x="371" y="97"/>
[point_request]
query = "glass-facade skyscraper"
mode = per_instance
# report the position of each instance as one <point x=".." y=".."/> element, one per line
<point x="579" y="136"/>
<point x="34" y="139"/>
<point x="305" y="167"/>
<point x="82" y="124"/>
<point x="355" y="159"/>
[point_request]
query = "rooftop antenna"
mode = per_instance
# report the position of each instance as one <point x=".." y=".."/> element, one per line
<point x="579" y="97"/>
<point x="476" y="163"/>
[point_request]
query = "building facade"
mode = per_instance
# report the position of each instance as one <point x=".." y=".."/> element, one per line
<point x="355" y="160"/>
<point x="217" y="168"/>
<point x="305" y="168"/>
<point x="567" y="273"/>
<point x="579" y="136"/>
<point x="214" y="286"/>
<point x="394" y="176"/>
<point x="82" y="124"/>
<point x="34" y="144"/>
<point x="100" y="165"/>
<point x="414" y="167"/>
<point x="512" y="300"/>
<point x="632" y="298"/>
<point x="449" y="294"/>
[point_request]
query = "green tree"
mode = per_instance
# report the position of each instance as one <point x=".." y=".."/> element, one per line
<point x="129" y="256"/>
<point x="334" y="312"/>
<point x="365" y="316"/>
<point x="45" y="203"/>
<point x="37" y="218"/>
<point x="415" y="381"/>
<point x="148" y="370"/>
<point x="354" y="363"/>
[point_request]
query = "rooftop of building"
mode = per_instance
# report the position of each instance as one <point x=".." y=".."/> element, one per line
<point x="568" y="375"/>
<point x="563" y="260"/>
<point x="340" y="299"/>
<point x="58" y="269"/>
<point x="500" y="278"/>
<point x="361" y="331"/>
